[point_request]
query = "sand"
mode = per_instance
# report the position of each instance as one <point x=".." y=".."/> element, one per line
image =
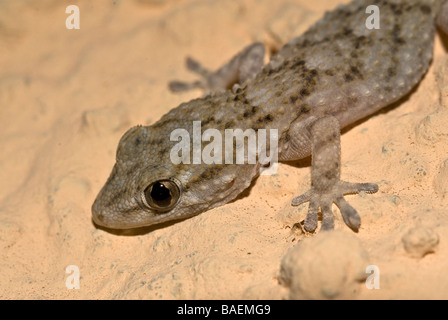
<point x="66" y="98"/>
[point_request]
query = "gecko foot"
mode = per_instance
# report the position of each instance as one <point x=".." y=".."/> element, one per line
<point x="323" y="200"/>
<point x="326" y="184"/>
<point x="196" y="67"/>
<point x="245" y="65"/>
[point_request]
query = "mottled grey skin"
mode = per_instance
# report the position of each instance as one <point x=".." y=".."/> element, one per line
<point x="336" y="73"/>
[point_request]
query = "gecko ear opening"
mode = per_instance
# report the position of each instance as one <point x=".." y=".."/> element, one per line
<point x="161" y="195"/>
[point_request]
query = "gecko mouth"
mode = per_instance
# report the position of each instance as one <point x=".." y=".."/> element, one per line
<point x="98" y="218"/>
<point x="119" y="220"/>
<point x="121" y="215"/>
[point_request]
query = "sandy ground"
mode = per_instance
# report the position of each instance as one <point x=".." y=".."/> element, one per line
<point x="67" y="96"/>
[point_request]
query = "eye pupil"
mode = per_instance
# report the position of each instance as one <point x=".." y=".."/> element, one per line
<point x="160" y="194"/>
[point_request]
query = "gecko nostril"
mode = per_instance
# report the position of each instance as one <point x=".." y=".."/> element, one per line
<point x="98" y="218"/>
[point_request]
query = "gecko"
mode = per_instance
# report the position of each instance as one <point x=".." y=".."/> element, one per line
<point x="337" y="72"/>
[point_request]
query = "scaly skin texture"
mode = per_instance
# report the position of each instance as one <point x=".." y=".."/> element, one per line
<point x="337" y="70"/>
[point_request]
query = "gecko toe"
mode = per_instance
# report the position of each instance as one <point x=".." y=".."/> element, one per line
<point x="196" y="67"/>
<point x="312" y="216"/>
<point x="302" y="198"/>
<point x="349" y="214"/>
<point x="351" y="188"/>
<point x="180" y="86"/>
<point x="327" y="217"/>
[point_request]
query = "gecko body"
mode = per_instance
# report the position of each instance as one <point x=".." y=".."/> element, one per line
<point x="336" y="73"/>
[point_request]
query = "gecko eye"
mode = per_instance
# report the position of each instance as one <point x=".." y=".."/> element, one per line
<point x="161" y="195"/>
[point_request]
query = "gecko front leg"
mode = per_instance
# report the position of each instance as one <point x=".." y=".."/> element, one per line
<point x="243" y="66"/>
<point x="326" y="185"/>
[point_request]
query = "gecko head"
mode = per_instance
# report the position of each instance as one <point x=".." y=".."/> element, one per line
<point x="146" y="188"/>
<point x="144" y="200"/>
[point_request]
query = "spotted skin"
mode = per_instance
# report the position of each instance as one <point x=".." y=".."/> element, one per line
<point x="336" y="73"/>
